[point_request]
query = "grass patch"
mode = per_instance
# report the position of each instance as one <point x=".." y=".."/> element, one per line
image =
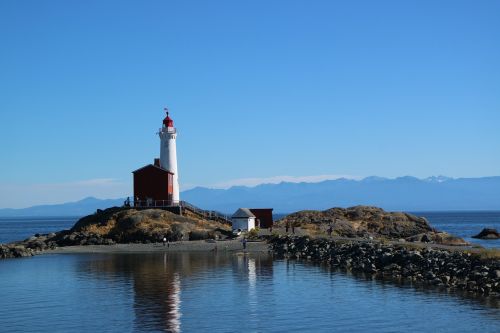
<point x="487" y="254"/>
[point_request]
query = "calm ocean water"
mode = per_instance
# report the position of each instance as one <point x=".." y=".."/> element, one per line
<point x="465" y="224"/>
<point x="19" y="228"/>
<point x="197" y="292"/>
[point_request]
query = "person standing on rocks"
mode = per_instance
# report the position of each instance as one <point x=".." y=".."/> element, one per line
<point x="286" y="227"/>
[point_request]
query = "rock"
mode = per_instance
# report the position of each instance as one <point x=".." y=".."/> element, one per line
<point x="118" y="225"/>
<point x="14" y="251"/>
<point x="426" y="238"/>
<point x="447" y="239"/>
<point x="115" y="225"/>
<point x="431" y="266"/>
<point x="487" y="233"/>
<point x="360" y="221"/>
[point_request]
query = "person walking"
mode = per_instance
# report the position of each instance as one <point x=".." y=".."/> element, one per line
<point x="244" y="242"/>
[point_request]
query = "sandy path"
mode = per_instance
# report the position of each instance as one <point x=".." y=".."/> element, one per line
<point x="232" y="245"/>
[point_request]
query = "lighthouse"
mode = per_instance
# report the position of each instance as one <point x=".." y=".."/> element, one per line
<point x="168" y="154"/>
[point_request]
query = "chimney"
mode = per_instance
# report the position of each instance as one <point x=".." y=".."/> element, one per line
<point x="157" y="162"/>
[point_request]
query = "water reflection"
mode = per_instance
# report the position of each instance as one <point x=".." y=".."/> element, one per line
<point x="173" y="292"/>
<point x="157" y="280"/>
<point x="226" y="292"/>
<point x="387" y="284"/>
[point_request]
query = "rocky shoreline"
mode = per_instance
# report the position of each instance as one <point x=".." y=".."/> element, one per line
<point x="29" y="247"/>
<point x="459" y="270"/>
<point x="118" y="225"/>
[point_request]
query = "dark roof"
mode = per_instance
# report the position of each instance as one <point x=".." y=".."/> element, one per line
<point x="243" y="212"/>
<point x="152" y="166"/>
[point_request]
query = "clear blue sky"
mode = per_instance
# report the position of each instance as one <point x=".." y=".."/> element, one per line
<point x="257" y="89"/>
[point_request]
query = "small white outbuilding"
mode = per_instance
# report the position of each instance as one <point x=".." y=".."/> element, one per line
<point x="243" y="220"/>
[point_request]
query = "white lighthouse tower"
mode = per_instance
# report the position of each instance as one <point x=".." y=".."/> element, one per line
<point x="168" y="153"/>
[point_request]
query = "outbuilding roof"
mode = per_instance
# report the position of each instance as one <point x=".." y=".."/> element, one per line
<point x="149" y="166"/>
<point x="243" y="212"/>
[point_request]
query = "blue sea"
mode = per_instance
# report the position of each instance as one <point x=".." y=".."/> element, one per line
<point x="465" y="224"/>
<point x="223" y="292"/>
<point x="20" y="228"/>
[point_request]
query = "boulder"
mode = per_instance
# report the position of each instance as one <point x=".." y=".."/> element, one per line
<point x="487" y="233"/>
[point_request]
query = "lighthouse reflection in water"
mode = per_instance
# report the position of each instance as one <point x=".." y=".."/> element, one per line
<point x="160" y="282"/>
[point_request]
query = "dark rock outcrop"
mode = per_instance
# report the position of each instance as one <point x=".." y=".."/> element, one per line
<point x="455" y="270"/>
<point x="28" y="247"/>
<point x="488" y="233"/>
<point x="14" y="251"/>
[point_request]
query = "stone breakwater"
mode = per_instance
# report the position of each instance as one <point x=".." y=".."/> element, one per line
<point x="451" y="269"/>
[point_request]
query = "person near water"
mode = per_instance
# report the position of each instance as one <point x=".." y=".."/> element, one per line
<point x="244" y="242"/>
<point x="164" y="241"/>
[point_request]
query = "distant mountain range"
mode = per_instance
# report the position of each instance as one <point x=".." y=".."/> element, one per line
<point x="79" y="208"/>
<point x="403" y="193"/>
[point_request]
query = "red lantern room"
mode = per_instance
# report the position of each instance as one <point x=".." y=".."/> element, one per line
<point x="168" y="122"/>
